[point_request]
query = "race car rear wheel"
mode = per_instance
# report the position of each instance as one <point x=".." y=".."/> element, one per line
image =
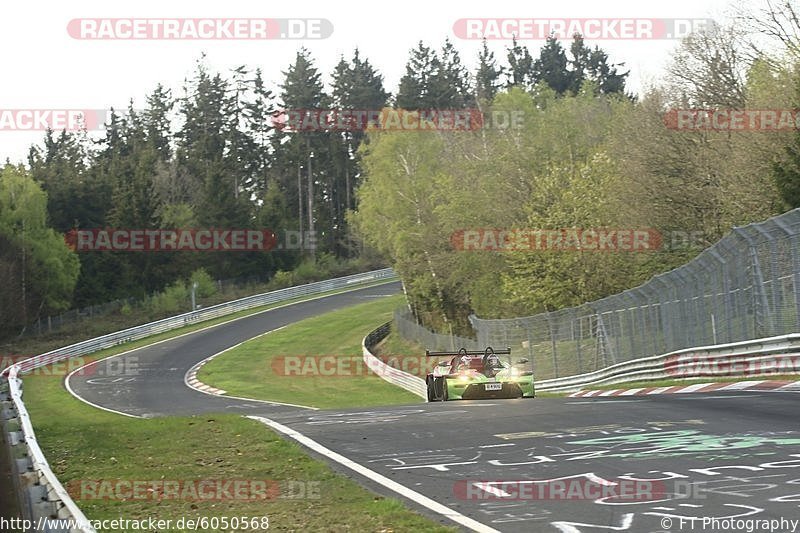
<point x="439" y="385"/>
<point x="431" y="390"/>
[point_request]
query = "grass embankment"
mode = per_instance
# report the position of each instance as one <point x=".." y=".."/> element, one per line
<point x="83" y="443"/>
<point x="315" y="362"/>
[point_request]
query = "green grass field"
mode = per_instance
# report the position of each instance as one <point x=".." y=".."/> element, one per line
<point x="259" y="367"/>
<point x="83" y="443"/>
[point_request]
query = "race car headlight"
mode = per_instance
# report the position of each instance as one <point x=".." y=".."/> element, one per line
<point x="463" y="377"/>
<point x="514" y="373"/>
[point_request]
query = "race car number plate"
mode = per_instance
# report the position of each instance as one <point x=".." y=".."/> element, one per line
<point x="493" y="386"/>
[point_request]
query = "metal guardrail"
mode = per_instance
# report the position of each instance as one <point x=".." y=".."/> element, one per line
<point x="409" y="382"/>
<point x="753" y="358"/>
<point x="41" y="494"/>
<point x="43" y="500"/>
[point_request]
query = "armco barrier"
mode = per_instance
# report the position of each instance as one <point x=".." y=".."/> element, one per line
<point x="759" y="357"/>
<point x="409" y="382"/>
<point x="41" y="494"/>
<point x="42" y="497"/>
<point x="754" y="358"/>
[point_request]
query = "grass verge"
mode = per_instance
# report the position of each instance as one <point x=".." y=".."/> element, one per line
<point x="315" y="362"/>
<point x="83" y="443"/>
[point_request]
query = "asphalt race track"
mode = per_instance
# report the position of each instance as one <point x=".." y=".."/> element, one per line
<point x="150" y="381"/>
<point x="665" y="463"/>
<point x="732" y="455"/>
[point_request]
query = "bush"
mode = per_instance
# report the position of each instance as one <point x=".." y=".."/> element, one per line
<point x="281" y="280"/>
<point x="305" y="272"/>
<point x="205" y="283"/>
<point x="170" y="300"/>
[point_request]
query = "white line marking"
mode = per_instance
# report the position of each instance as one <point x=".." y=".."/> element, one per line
<point x="631" y="392"/>
<point x="495" y="445"/>
<point x="725" y="397"/>
<point x="608" y="401"/>
<point x="84" y="400"/>
<point x="739" y="385"/>
<point x="402" y="490"/>
<point x="659" y="390"/>
<point x="691" y="388"/>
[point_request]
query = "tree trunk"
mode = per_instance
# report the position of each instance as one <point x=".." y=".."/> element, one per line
<point x="300" y="202"/>
<point x="310" y="198"/>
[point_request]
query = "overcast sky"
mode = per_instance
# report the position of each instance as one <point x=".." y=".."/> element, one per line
<point x="45" y="68"/>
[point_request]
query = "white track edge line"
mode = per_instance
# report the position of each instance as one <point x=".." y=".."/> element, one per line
<point x="87" y="402"/>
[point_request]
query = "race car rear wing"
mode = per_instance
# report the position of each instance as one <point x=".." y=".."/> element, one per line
<point x="429" y="353"/>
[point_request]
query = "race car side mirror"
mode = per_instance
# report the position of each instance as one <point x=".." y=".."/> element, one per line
<point x="522" y="361"/>
<point x="444" y="363"/>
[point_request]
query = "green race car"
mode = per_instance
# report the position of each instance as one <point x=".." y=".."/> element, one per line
<point x="469" y="375"/>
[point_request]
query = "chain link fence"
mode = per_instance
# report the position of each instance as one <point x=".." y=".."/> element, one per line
<point x="746" y="286"/>
<point x="407" y="327"/>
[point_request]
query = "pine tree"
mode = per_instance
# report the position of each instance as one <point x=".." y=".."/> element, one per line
<point x="451" y="85"/>
<point x="487" y="75"/>
<point x="416" y="85"/>
<point x="157" y="120"/>
<point x="592" y="65"/>
<point x="357" y="86"/>
<point x="434" y="81"/>
<point x="551" y="67"/>
<point x="520" y="66"/>
<point x="302" y="90"/>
